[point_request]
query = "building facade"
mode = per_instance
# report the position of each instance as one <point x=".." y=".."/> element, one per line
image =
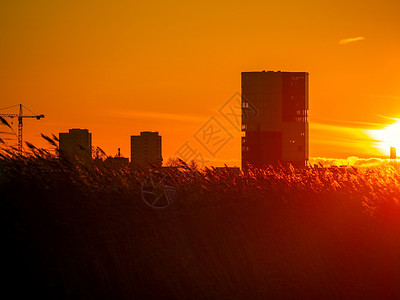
<point x="146" y="150"/>
<point x="274" y="118"/>
<point x="76" y="145"/>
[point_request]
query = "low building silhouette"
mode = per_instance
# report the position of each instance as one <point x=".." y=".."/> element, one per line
<point x="76" y="145"/>
<point x="117" y="162"/>
<point x="146" y="150"/>
<point x="276" y="132"/>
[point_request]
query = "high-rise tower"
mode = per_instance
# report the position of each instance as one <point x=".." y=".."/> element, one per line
<point x="278" y="132"/>
<point x="146" y="149"/>
<point x="76" y="145"/>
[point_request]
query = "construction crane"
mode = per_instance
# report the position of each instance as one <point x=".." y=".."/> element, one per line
<point x="20" y="116"/>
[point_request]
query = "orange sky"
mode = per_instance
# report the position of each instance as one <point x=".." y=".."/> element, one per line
<point x="121" y="67"/>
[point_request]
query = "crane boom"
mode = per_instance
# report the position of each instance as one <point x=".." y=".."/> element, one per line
<point x="20" y="116"/>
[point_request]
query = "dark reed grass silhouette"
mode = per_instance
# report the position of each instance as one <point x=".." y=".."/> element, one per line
<point x="83" y="232"/>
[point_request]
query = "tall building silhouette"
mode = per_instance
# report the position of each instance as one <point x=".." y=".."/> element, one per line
<point x="146" y="149"/>
<point x="278" y="132"/>
<point x="76" y="145"/>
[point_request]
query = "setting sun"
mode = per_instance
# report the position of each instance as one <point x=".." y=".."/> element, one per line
<point x="387" y="137"/>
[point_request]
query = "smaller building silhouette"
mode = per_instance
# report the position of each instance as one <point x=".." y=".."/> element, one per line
<point x="76" y="145"/>
<point x="117" y="162"/>
<point x="392" y="153"/>
<point x="146" y="150"/>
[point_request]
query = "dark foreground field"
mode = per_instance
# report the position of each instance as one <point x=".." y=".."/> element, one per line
<point x="77" y="233"/>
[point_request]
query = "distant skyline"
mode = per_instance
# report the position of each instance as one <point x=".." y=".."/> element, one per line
<point x="122" y="67"/>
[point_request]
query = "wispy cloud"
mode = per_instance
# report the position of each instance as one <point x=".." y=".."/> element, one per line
<point x="351" y="40"/>
<point x="339" y="137"/>
<point x="386" y="97"/>
<point x="158" y="115"/>
<point x="345" y="123"/>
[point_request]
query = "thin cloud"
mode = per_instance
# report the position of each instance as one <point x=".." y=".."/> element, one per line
<point x="388" y="118"/>
<point x="386" y="97"/>
<point x="351" y="40"/>
<point x="345" y="123"/>
<point x="158" y="115"/>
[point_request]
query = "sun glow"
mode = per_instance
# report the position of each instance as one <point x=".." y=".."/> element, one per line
<point x="387" y="137"/>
